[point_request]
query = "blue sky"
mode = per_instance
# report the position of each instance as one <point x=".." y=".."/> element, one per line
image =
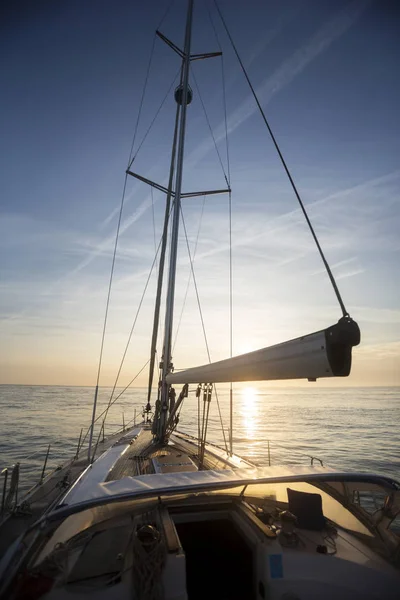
<point x="72" y="75"/>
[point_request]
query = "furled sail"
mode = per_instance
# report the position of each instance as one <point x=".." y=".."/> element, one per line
<point x="325" y="353"/>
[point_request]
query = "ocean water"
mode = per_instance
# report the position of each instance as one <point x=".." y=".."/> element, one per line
<point x="347" y="428"/>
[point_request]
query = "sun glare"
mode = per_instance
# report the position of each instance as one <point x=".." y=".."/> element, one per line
<point x="249" y="397"/>
<point x="249" y="411"/>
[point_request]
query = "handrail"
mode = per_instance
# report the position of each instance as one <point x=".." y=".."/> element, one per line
<point x="269" y="444"/>
<point x="14" y="471"/>
<point x="12" y="494"/>
<point x="8" y="497"/>
<point x="294" y="451"/>
<point x="3" y="498"/>
<point x="79" y="444"/>
<point x="44" y="465"/>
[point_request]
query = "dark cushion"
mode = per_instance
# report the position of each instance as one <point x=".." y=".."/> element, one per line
<point x="307" y="508"/>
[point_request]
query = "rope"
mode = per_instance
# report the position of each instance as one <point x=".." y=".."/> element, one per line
<point x="209" y="392"/>
<point x="198" y="418"/>
<point x="328" y="270"/>
<point x="203" y="423"/>
<point x="149" y="558"/>
<point x="202" y="324"/>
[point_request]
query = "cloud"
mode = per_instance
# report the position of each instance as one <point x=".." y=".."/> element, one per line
<point x="104" y="246"/>
<point x="348" y="274"/>
<point x="285" y="238"/>
<point x="337" y="270"/>
<point x="379" y="351"/>
<point x="282" y="77"/>
<point x="288" y="70"/>
<point x="381" y="316"/>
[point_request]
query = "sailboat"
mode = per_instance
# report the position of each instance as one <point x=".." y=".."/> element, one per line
<point x="153" y="513"/>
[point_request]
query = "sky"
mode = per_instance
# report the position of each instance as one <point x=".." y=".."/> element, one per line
<point x="72" y="77"/>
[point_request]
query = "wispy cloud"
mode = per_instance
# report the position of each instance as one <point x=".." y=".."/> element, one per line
<point x="282" y="77"/>
<point x="381" y="316"/>
<point x="278" y="241"/>
<point x="379" y="351"/>
<point x="294" y="65"/>
<point x="288" y="70"/>
<point x="104" y="246"/>
<point x="285" y="238"/>
<point x="347" y="274"/>
<point x="339" y="272"/>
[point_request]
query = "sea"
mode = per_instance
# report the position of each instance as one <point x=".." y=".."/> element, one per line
<point x="354" y="429"/>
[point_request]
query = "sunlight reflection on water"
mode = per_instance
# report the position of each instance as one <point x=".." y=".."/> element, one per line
<point x="349" y="428"/>
<point x="249" y="412"/>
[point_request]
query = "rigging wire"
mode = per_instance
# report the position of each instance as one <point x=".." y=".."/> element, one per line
<point x="154" y="225"/>
<point x="165" y="14"/>
<point x="119" y="226"/>
<point x="154" y="119"/>
<point x="223" y="94"/>
<point x="127" y="386"/>
<point x="142" y="100"/>
<point x="229" y="181"/>
<point x="134" y="322"/>
<point x="115" y="400"/>
<point x="155" y="242"/>
<point x="190" y="274"/>
<point x="229" y="226"/>
<point x="230" y="324"/>
<point x="107" y="309"/>
<point x="118" y="230"/>
<point x="295" y="190"/>
<point x="202" y="323"/>
<point x="158" y="362"/>
<point x="209" y="126"/>
<point x="154" y="220"/>
<point x="130" y="161"/>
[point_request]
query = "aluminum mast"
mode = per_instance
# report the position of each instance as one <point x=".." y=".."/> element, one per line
<point x="162" y="415"/>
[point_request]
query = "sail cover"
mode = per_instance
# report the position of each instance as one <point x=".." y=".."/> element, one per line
<point x="325" y="353"/>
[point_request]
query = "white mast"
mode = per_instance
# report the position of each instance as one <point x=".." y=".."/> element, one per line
<point x="167" y="347"/>
<point x="183" y="96"/>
